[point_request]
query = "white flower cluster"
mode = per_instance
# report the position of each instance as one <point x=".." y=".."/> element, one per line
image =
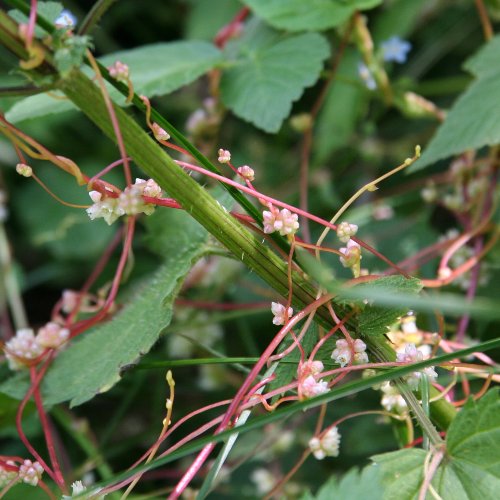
<point x="130" y="201"/>
<point x="392" y="399"/>
<point x="343" y="353"/>
<point x="282" y="221"/>
<point x="309" y="385"/>
<point x="247" y="173"/>
<point x="224" y="156"/>
<point x="24" y="347"/>
<point x="281" y="314"/>
<point x="411" y="354"/>
<point x="326" y="446"/>
<point x="345" y="231"/>
<point x="119" y="71"/>
<point x="30" y="472"/>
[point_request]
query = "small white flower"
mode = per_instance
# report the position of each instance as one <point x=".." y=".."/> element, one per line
<point x="281" y="314"/>
<point x="345" y="231"/>
<point x="413" y="355"/>
<point x="21" y="349"/>
<point x="342" y="354"/>
<point x="224" y="156"/>
<point x="119" y="71"/>
<point x="30" y="472"/>
<point x="310" y="387"/>
<point x="247" y="173"/>
<point x="52" y="335"/>
<point x="392" y="399"/>
<point x="367" y="76"/>
<point x="395" y="49"/>
<point x="326" y="446"/>
<point x="65" y="20"/>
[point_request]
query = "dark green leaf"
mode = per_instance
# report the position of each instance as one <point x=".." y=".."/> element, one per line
<point x="355" y="485"/>
<point x="469" y="470"/>
<point x="313" y="15"/>
<point x="269" y="73"/>
<point x="473" y="121"/>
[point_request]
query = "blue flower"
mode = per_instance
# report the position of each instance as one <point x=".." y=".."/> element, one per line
<point x="65" y="20"/>
<point x="395" y="49"/>
<point x="366" y="76"/>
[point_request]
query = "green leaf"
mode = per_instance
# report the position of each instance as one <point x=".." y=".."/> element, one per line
<point x="269" y="73"/>
<point x="155" y="69"/>
<point x="92" y="363"/>
<point x="374" y="319"/>
<point x="313" y="15"/>
<point x="355" y="485"/>
<point x="471" y="467"/>
<point x="473" y="121"/>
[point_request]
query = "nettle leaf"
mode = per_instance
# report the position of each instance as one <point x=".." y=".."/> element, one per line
<point x="286" y="370"/>
<point x="375" y="320"/>
<point x="269" y="72"/>
<point x="313" y="15"/>
<point x="355" y="485"/>
<point x="473" y="121"/>
<point x="471" y="468"/>
<point x="155" y="70"/>
<point x="92" y="363"/>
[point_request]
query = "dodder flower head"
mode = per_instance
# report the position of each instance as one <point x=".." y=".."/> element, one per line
<point x="281" y="313"/>
<point x="224" y="156"/>
<point x="351" y="257"/>
<point x="345" y="231"/>
<point x="24" y="170"/>
<point x="326" y="446"/>
<point x="119" y="71"/>
<point x="22" y="349"/>
<point x="30" y="472"/>
<point x="247" y="173"/>
<point x="310" y="387"/>
<point x="105" y="207"/>
<point x="412" y="354"/>
<point x="52" y="336"/>
<point x="282" y="221"/>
